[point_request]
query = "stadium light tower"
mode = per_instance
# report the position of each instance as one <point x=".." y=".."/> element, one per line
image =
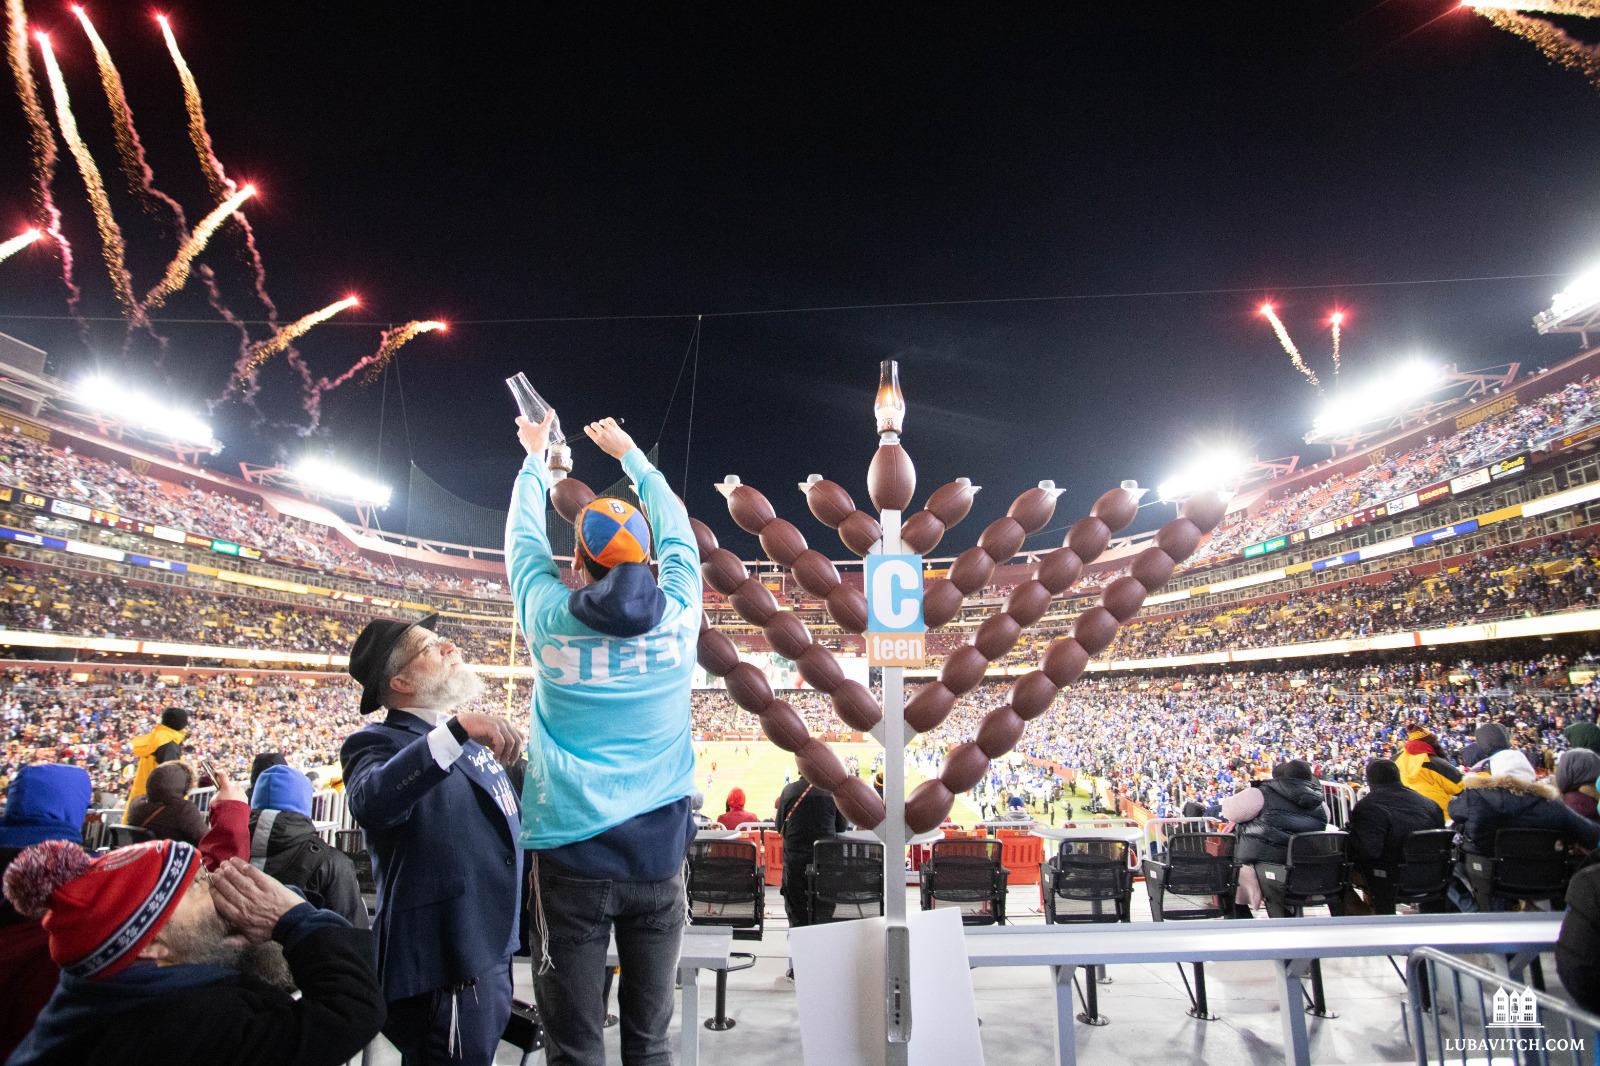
<point x="324" y="479"/>
<point x="118" y="410"/>
<point x="1575" y="309"/>
<point x="1410" y="393"/>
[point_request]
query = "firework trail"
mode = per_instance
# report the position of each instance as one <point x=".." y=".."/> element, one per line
<point x="130" y="149"/>
<point x="1581" y="8"/>
<point x="1338" y="322"/>
<point x="111" y="245"/>
<point x="1288" y="345"/>
<point x="217" y="178"/>
<point x="178" y="270"/>
<point x="43" y="140"/>
<point x="19" y="242"/>
<point x="389" y="343"/>
<point x="260" y="353"/>
<point x="1557" y="47"/>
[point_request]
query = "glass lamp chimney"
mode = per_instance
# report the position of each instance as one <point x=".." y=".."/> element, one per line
<point x="890" y="406"/>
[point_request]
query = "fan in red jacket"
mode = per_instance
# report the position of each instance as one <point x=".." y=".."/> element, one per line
<point x="736" y="815"/>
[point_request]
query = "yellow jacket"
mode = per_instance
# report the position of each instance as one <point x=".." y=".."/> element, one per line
<point x="1421" y="770"/>
<point x="145" y="748"/>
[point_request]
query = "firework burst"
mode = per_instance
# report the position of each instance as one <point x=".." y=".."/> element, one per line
<point x="178" y="270"/>
<point x="43" y="140"/>
<point x="260" y="353"/>
<point x="111" y="243"/>
<point x="1288" y="344"/>
<point x="1581" y="8"/>
<point x="18" y="243"/>
<point x="1555" y="45"/>
<point x="1337" y="321"/>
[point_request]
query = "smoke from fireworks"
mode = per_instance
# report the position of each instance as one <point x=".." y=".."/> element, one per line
<point x="43" y="140"/>
<point x="389" y="343"/>
<point x="18" y="243"/>
<point x="1288" y="345"/>
<point x="1581" y="8"/>
<point x="1557" y="47"/>
<point x="217" y="178"/>
<point x="260" y="353"/>
<point x="1338" y="322"/>
<point x="111" y="244"/>
<point x="130" y="149"/>
<point x="178" y="270"/>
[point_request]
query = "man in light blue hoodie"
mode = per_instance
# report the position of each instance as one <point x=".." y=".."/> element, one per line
<point x="606" y="801"/>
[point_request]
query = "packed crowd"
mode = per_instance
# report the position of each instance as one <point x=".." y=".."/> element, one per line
<point x="29" y="464"/>
<point x="1439" y="459"/>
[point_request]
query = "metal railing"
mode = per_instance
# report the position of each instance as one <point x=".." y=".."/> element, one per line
<point x="1493" y="1017"/>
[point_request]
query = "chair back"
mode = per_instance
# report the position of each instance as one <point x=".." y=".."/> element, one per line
<point x="967" y="874"/>
<point x="1531" y="864"/>
<point x="353" y="844"/>
<point x="724" y="884"/>
<point x="847" y="874"/>
<point x="1317" y="865"/>
<point x="1427" y="862"/>
<point x="1089" y="881"/>
<point x="120" y="836"/>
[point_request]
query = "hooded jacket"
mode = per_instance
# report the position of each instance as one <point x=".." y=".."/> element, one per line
<point x="1487" y="739"/>
<point x="1575" y="780"/>
<point x="1490" y="804"/>
<point x="1289" y="805"/>
<point x="1422" y="770"/>
<point x="1578" y="946"/>
<point x="736" y="815"/>
<point x="163" y="744"/>
<point x="610" y="753"/>
<point x="284" y="842"/>
<point x="1383" y="818"/>
<point x="165" y="809"/>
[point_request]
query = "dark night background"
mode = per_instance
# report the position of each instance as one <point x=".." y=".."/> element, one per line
<point x="478" y="162"/>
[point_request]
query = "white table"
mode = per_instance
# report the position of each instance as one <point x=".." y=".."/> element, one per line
<point x="703" y="948"/>
<point x="1289" y="943"/>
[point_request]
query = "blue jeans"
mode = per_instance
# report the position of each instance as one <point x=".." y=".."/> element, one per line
<point x="580" y="915"/>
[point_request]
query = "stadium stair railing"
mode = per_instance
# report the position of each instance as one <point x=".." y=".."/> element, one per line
<point x="1490" y="1013"/>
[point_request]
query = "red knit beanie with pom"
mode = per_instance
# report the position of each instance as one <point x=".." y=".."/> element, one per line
<point x="100" y="912"/>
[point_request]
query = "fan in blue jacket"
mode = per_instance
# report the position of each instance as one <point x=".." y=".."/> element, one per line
<point x="428" y="787"/>
<point x="606" y="800"/>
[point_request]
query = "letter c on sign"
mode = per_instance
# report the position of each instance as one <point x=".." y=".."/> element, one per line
<point x="895" y="587"/>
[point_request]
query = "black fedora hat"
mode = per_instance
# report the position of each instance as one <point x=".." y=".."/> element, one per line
<point x="371" y="651"/>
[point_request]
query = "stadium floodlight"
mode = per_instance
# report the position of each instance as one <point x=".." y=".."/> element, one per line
<point x="329" y="478"/>
<point x="1216" y="469"/>
<point x="1380" y="398"/>
<point x="118" y="402"/>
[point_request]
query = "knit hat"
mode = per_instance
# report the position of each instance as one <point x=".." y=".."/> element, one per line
<point x="1491" y="738"/>
<point x="282" y="788"/>
<point x="1382" y="772"/>
<point x="100" y="913"/>
<point x="1583" y="735"/>
<point x="45" y="802"/>
<point x="170" y="782"/>
<point x="1576" y="767"/>
<point x="612" y="531"/>
<point x="1511" y="763"/>
<point x="1294" y="768"/>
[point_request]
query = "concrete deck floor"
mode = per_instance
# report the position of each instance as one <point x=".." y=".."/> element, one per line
<point x="1145" y="1005"/>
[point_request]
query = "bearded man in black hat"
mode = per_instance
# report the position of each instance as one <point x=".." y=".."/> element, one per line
<point x="429" y="788"/>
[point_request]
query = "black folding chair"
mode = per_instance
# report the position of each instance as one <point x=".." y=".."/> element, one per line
<point x="726" y="887"/>
<point x="968" y="874"/>
<point x="1421" y="876"/>
<point x="1088" y="882"/>
<point x="120" y="836"/>
<point x="1197" y="880"/>
<point x="844" y="875"/>
<point x="1528" y="866"/>
<point x="1317" y="871"/>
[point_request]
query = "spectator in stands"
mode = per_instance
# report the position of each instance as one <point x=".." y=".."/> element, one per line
<point x="1267" y="814"/>
<point x="1488" y="739"/>
<point x="163" y="744"/>
<point x="261" y="762"/>
<point x="1422" y="770"/>
<point x="806" y="814"/>
<point x="1576" y="773"/>
<point x="1510" y="798"/>
<point x="1584" y="734"/>
<point x="165" y="811"/>
<point x="153" y="970"/>
<point x="1379" y="824"/>
<point x="1578" y="946"/>
<point x="440" y="816"/>
<point x="736" y="815"/>
<point x="607" y="805"/>
<point x="43" y="803"/>
<point x="284" y="843"/>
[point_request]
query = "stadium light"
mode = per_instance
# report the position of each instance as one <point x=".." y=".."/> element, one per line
<point x="1581" y="291"/>
<point x="1381" y="397"/>
<point x="131" y="407"/>
<point x="1218" y="469"/>
<point x="325" y="476"/>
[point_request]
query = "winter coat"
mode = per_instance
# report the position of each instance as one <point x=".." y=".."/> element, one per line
<point x="204" y="1014"/>
<point x="806" y="814"/>
<point x="286" y="845"/>
<point x="1289" y="805"/>
<point x="1578" y="946"/>
<point x="30" y="971"/>
<point x="165" y="811"/>
<point x="162" y="744"/>
<point x="1583" y="801"/>
<point x="1382" y="819"/>
<point x="1490" y="804"/>
<point x="1422" y="770"/>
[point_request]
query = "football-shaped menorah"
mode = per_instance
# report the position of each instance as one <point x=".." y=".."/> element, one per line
<point x="892" y="480"/>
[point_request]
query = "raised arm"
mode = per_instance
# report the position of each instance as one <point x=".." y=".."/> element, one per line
<point x="676" y="552"/>
<point x="535" y="577"/>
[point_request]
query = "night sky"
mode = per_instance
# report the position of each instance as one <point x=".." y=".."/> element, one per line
<point x="489" y="162"/>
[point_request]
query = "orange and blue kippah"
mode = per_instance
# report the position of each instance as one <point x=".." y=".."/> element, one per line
<point x="613" y="531"/>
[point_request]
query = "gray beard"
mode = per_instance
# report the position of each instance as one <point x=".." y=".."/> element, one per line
<point x="209" y="945"/>
<point x="448" y="691"/>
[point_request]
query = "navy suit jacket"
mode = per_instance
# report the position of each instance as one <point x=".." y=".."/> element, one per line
<point x="444" y="854"/>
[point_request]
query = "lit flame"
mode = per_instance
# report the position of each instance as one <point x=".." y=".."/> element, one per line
<point x="18" y="243"/>
<point x="890" y="405"/>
